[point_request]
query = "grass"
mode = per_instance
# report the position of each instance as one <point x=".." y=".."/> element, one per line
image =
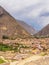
<point x="1" y="61"/>
<point x="16" y="48"/>
<point x="4" y="47"/>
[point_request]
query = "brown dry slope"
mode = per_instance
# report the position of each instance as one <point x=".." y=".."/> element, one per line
<point x="27" y="27"/>
<point x="44" y="31"/>
<point x="9" y="26"/>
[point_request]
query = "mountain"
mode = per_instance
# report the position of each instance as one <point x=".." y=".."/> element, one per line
<point x="44" y="32"/>
<point x="9" y="26"/>
<point x="27" y="27"/>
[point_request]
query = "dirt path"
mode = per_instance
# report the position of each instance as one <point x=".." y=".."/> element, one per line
<point x="32" y="58"/>
<point x="14" y="63"/>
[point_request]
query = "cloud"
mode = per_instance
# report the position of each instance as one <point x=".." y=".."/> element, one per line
<point x="45" y="14"/>
<point x="17" y="4"/>
<point x="34" y="12"/>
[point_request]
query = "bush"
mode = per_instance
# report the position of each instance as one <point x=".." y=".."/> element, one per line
<point x="1" y="61"/>
<point x="5" y="37"/>
<point x="4" y="47"/>
<point x="43" y="53"/>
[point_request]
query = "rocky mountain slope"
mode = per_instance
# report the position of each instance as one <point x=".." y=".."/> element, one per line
<point x="27" y="27"/>
<point x="9" y="26"/>
<point x="44" y="32"/>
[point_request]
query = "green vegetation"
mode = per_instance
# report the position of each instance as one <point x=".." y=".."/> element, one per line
<point x="16" y="48"/>
<point x="43" y="53"/>
<point x="1" y="61"/>
<point x="38" y="37"/>
<point x="19" y="46"/>
<point x="4" y="47"/>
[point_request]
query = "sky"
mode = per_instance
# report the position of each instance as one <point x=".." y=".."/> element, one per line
<point x="33" y="12"/>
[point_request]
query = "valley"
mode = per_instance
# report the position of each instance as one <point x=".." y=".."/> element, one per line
<point x="21" y="44"/>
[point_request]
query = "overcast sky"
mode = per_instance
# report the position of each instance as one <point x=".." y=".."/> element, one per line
<point x="33" y="12"/>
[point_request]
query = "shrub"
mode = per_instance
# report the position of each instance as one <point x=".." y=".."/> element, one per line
<point x="1" y="61"/>
<point x="5" y="37"/>
<point x="43" y="54"/>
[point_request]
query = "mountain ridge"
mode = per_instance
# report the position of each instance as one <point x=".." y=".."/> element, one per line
<point x="27" y="27"/>
<point x="44" y="31"/>
<point x="9" y="26"/>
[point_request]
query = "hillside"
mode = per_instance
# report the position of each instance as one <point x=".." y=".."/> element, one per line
<point x="44" y="32"/>
<point x="9" y="26"/>
<point x="27" y="27"/>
